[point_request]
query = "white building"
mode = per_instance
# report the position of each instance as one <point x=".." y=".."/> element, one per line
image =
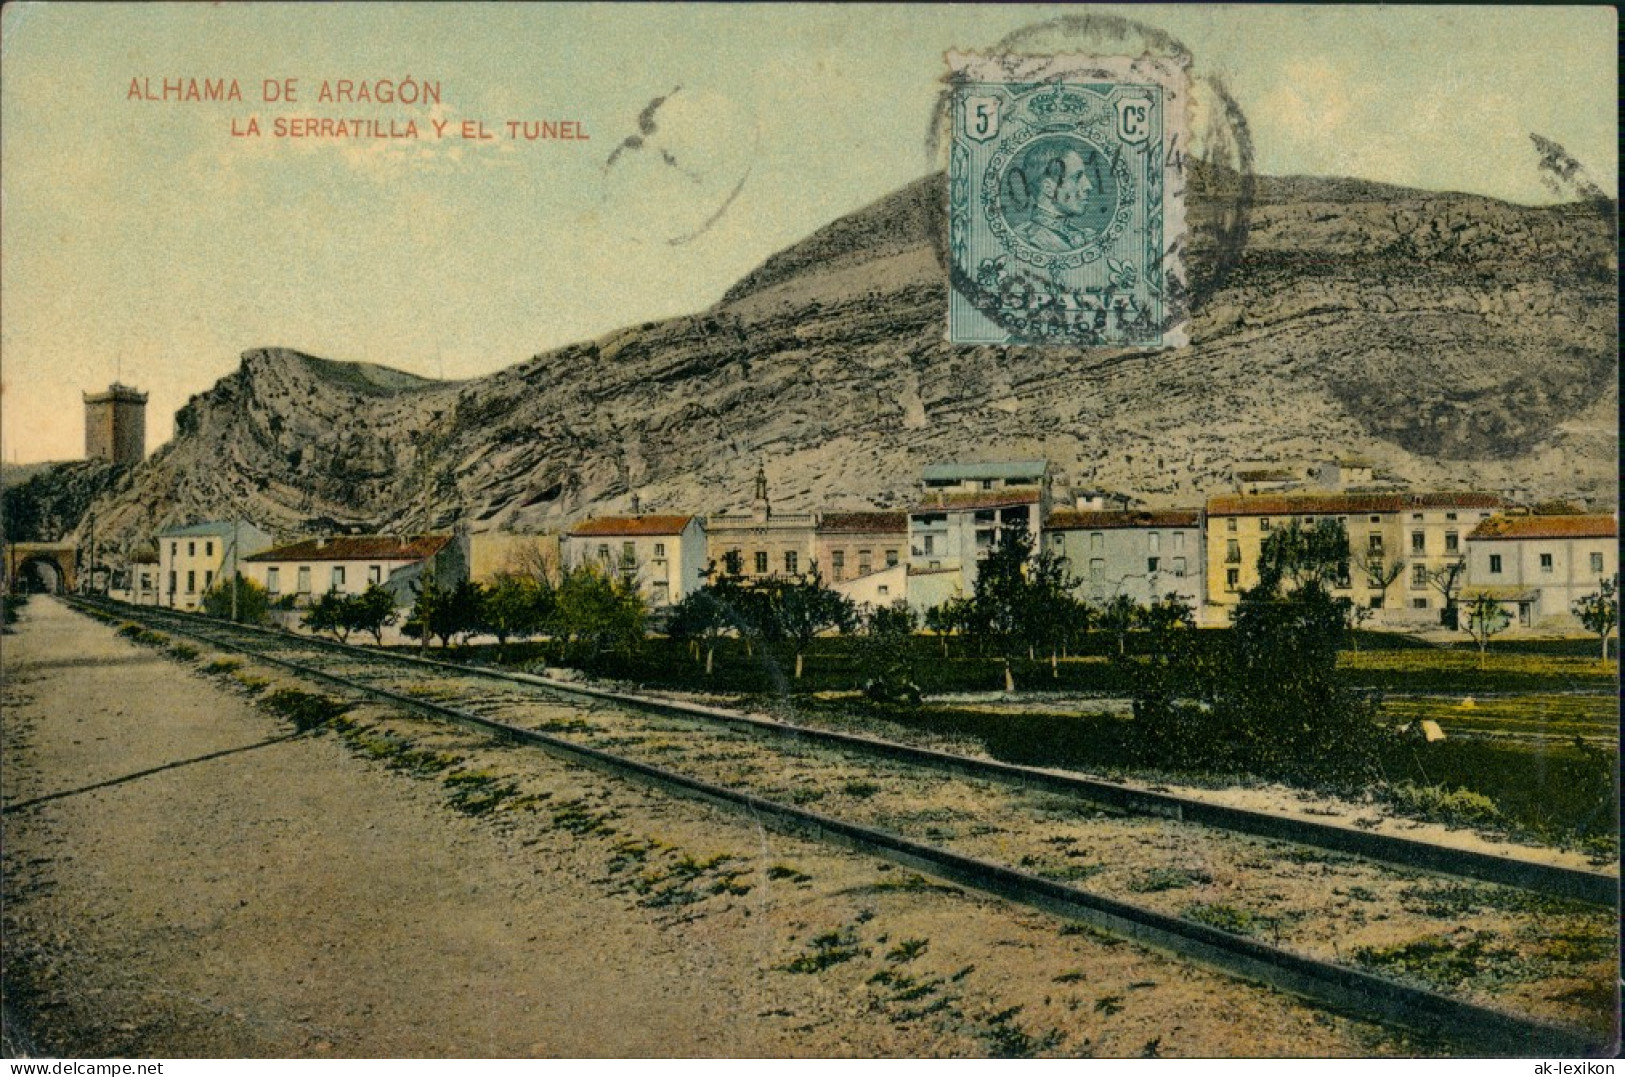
<point x="1145" y="555"/>
<point x="349" y="563"/>
<point x="192" y="558"/>
<point x="1538" y="565"/>
<point x="964" y="508"/>
<point x="665" y="556"/>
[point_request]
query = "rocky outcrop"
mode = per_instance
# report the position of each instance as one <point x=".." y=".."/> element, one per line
<point x="1455" y="340"/>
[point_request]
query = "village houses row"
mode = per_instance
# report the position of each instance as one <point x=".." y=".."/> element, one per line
<point x="1410" y="552"/>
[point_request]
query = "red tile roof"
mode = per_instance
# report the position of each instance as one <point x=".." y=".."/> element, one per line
<point x="1081" y="520"/>
<point x="629" y="526"/>
<point x="864" y="523"/>
<point x="357" y="548"/>
<point x="1338" y="504"/>
<point x="985" y="499"/>
<point x="1545" y="527"/>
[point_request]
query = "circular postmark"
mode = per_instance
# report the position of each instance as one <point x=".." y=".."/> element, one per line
<point x="1036" y="215"/>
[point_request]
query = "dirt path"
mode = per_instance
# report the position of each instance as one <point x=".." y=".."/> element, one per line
<point x="291" y="897"/>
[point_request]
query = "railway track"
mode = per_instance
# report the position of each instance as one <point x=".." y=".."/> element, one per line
<point x="1021" y="833"/>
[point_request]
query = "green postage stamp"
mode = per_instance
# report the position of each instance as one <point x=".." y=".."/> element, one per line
<point x="1066" y="201"/>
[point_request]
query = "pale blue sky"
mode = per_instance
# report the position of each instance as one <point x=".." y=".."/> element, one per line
<point x="141" y="239"/>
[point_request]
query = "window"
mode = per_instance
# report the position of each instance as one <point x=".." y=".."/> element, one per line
<point x="174" y="551"/>
<point x="304" y="579"/>
<point x="761" y="562"/>
<point x="987" y="484"/>
<point x="1419" y="542"/>
<point x="1263" y="523"/>
<point x="864" y="563"/>
<point x="790" y="560"/>
<point x="837" y="561"/>
<point x="208" y="579"/>
<point x="1342" y="579"/>
<point x="191" y="582"/>
<point x="1419" y="575"/>
<point x="191" y="549"/>
<point x="1596" y="563"/>
<point x="629" y="554"/>
<point x="1230" y="523"/>
<point x="1232" y="551"/>
<point x="1452" y="542"/>
<point x="891" y="558"/>
<point x="1419" y="603"/>
<point x="1416" y="517"/>
<point x="1232" y="579"/>
<point x="171" y="582"/>
<point x="375" y="573"/>
<point x="930" y="546"/>
<point x="1449" y="516"/>
<point x="208" y="549"/>
<point x="1373" y="544"/>
<point x="1153" y="542"/>
<point x="603" y="552"/>
<point x="273" y="580"/>
<point x="1545" y="562"/>
<point x="1097" y="541"/>
<point x="883" y="590"/>
<point x="1151" y="563"/>
<point x="660" y="549"/>
<point x="338" y="578"/>
<point x="1097" y="568"/>
<point x="1179" y="542"/>
<point x="1495" y="563"/>
<point x="1376" y="602"/>
<point x="1179" y="568"/>
<point x="1376" y="519"/>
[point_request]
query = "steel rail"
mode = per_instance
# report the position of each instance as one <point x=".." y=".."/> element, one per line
<point x="1592" y="887"/>
<point x="1481" y="1029"/>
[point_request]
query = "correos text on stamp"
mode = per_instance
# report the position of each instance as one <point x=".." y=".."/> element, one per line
<point x="1066" y="201"/>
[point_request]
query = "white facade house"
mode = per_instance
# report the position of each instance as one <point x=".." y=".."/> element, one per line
<point x="1538" y="565"/>
<point x="192" y="558"/>
<point x="665" y="556"/>
<point x="348" y="564"/>
<point x="964" y="508"/>
<point x="1144" y="555"/>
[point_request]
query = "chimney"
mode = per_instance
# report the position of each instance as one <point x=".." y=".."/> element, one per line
<point x="321" y="542"/>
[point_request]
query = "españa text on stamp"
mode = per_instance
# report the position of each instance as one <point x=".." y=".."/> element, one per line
<point x="1066" y="201"/>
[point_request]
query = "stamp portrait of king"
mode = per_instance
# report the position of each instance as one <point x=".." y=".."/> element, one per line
<point x="1066" y="201"/>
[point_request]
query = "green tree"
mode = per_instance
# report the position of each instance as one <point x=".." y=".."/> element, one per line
<point x="802" y="607"/>
<point x="1599" y="611"/>
<point x="700" y="617"/>
<point x="1051" y="611"/>
<point x="515" y="605"/>
<point x="1119" y="616"/>
<point x="372" y="611"/>
<point x="947" y="617"/>
<point x="443" y="612"/>
<point x="1483" y="617"/>
<point x="999" y="604"/>
<point x="607" y="613"/>
<point x="1447" y="580"/>
<point x="886" y="654"/>
<point x="1296" y="556"/>
<point x="328" y="614"/>
<point x="253" y="603"/>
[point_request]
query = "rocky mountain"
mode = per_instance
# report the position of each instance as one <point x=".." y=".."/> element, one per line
<point x="1458" y="341"/>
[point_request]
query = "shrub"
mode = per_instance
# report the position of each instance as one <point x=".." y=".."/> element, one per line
<point x="1460" y="807"/>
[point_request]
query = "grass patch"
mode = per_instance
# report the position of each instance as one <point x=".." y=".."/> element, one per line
<point x="306" y="710"/>
<point x="787" y="872"/>
<point x="577" y="817"/>
<point x="1447" y="960"/>
<point x="222" y="666"/>
<point x="477" y="792"/>
<point x="1159" y="879"/>
<point x="1225" y="917"/>
<point x="860" y="789"/>
<point x="251" y="684"/>
<point x="184" y="651"/>
<point x="1456" y="807"/>
<point x="907" y="950"/>
<point x="829" y="949"/>
<point x="1007" y="1039"/>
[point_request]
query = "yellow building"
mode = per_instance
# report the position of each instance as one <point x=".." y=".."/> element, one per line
<point x="1405" y="549"/>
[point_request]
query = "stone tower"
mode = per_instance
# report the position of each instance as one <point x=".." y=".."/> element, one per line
<point x="760" y="509"/>
<point x="116" y="425"/>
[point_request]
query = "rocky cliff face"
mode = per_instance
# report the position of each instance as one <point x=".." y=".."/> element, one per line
<point x="1456" y="340"/>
